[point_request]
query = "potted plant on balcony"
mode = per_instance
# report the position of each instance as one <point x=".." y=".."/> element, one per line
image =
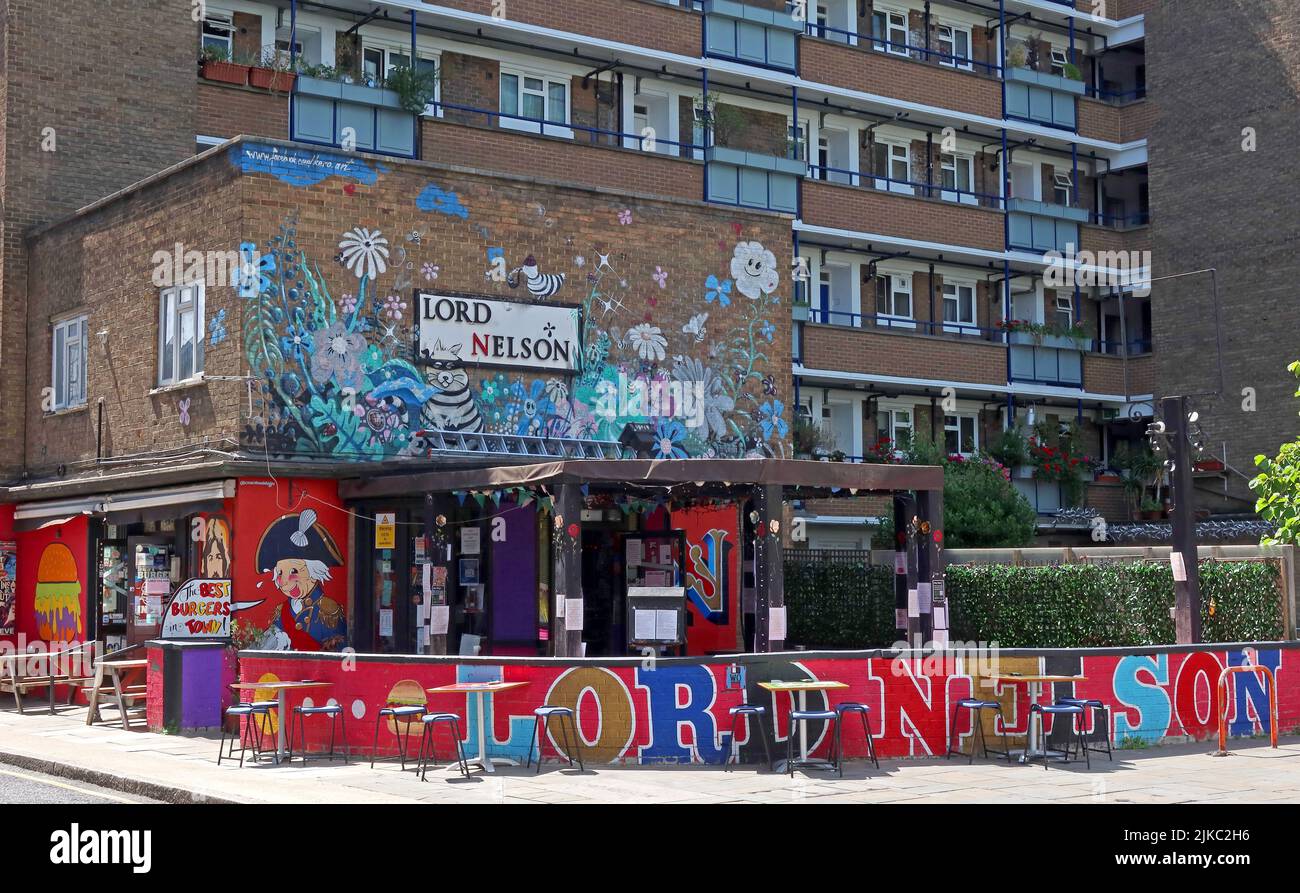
<point x="415" y="87"/>
<point x="808" y="438"/>
<point x="273" y="72"/>
<point x="1024" y="331"/>
<point x="1011" y="449"/>
<point x="215" y="64"/>
<point x="1137" y="467"/>
<point x="1149" y="510"/>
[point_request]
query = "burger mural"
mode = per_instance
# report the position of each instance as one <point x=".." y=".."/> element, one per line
<point x="298" y="553"/>
<point x="58" y="595"/>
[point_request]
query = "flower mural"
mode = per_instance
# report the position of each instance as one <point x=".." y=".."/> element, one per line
<point x="338" y="377"/>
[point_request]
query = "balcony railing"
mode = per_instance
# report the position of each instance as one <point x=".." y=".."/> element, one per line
<point x="900" y="49"/>
<point x="882" y="183"/>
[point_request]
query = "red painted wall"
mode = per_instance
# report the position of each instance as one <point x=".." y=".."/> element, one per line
<point x="55" y="560"/>
<point x="713" y="577"/>
<point x="677" y="712"/>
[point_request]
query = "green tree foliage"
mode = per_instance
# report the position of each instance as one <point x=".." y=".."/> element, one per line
<point x="1277" y="488"/>
<point x="982" y="509"/>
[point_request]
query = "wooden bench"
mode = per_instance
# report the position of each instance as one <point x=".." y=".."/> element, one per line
<point x="22" y="673"/>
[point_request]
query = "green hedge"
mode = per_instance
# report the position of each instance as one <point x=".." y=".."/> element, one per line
<point x="850" y="604"/>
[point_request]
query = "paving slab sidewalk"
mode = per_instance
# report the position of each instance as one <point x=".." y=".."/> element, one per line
<point x="183" y="769"/>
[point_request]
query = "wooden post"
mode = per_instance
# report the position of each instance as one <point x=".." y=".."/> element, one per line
<point x="436" y="553"/>
<point x="904" y="572"/>
<point x="566" y="558"/>
<point x="1187" y="591"/>
<point x="769" y="575"/>
<point x="929" y="557"/>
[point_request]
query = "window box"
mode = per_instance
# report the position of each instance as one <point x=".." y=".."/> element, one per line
<point x="1042" y="79"/>
<point x="224" y="73"/>
<point x="1047" y="209"/>
<point x="271" y="79"/>
<point x="1055" y="342"/>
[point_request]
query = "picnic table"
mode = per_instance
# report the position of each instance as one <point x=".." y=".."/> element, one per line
<point x="15" y="678"/>
<point x="127" y="687"/>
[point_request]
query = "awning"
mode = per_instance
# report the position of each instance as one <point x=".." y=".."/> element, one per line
<point x="841" y="476"/>
<point x="127" y="508"/>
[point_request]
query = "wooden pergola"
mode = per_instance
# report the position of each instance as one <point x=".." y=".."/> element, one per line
<point x="917" y="493"/>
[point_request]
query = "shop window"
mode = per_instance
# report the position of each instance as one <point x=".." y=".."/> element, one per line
<point x="68" y="377"/>
<point x="180" y="333"/>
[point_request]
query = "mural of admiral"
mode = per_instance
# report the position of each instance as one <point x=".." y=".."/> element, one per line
<point x="298" y="554"/>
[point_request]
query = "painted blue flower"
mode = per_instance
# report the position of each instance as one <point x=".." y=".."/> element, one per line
<point x="721" y="291"/>
<point x="772" y="419"/>
<point x="256" y="271"/>
<point x="218" y="328"/>
<point x="767" y="330"/>
<point x="297" y="342"/>
<point x="494" y="389"/>
<point x="535" y="409"/>
<point x="668" y="439"/>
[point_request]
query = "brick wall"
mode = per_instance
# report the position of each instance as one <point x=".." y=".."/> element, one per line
<point x="103" y="264"/>
<point x="1215" y="205"/>
<point x="227" y="111"/>
<point x="642" y="22"/>
<point x="1104" y="374"/>
<point x="861" y="68"/>
<point x="121" y="106"/>
<point x="914" y="356"/>
<point x="1115" y="123"/>
<point x="871" y="210"/>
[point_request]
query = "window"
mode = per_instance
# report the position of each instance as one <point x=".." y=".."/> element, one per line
<point x="958" y="172"/>
<point x="894" y="300"/>
<point x="180" y="333"/>
<point x="896" y="424"/>
<point x="958" y="306"/>
<point x="536" y="98"/>
<point x="1059" y="61"/>
<point x="378" y="62"/>
<point x="954" y="47"/>
<point x="218" y="33"/>
<point x="1064" y="309"/>
<point x="960" y="435"/>
<point x="890" y="31"/>
<point x="1062" y="188"/>
<point x="893" y="162"/>
<point x="68" y="376"/>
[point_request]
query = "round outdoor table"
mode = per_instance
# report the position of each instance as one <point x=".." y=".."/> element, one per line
<point x="802" y="687"/>
<point x="282" y="690"/>
<point x="483" y="690"/>
<point x="1035" y="686"/>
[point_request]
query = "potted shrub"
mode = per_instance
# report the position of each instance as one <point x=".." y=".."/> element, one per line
<point x="415" y="87"/>
<point x="273" y="73"/>
<point x="1011" y="448"/>
<point x="1150" y="510"/>
<point x="215" y="64"/>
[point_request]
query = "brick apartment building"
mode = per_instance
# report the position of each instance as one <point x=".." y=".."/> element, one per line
<point x="849" y="222"/>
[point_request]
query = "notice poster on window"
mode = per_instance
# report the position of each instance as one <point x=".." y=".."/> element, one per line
<point x="8" y="587"/>
<point x="776" y="624"/>
<point x="470" y="540"/>
<point x="573" y="614"/>
<point x="439" y="617"/>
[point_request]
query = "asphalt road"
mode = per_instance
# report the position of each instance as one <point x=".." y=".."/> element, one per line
<point x="24" y="786"/>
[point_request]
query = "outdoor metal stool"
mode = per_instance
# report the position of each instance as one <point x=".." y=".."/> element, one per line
<point x="1097" y="707"/>
<point x="408" y="713"/>
<point x="430" y="721"/>
<point x="1076" y="720"/>
<point x="242" y="712"/>
<point x="862" y="710"/>
<point x="541" y="723"/>
<point x="750" y="712"/>
<point x="797" y="716"/>
<point x="977" y="707"/>
<point x="334" y="712"/>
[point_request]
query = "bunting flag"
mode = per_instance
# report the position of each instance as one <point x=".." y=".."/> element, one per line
<point x="496" y="497"/>
<point x="481" y="499"/>
<point x="585" y="489"/>
<point x="460" y="496"/>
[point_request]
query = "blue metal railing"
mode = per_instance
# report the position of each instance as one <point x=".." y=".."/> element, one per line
<point x="849" y="319"/>
<point x="867" y="180"/>
<point x="950" y="60"/>
<point x="1118" y="97"/>
<point x="1122" y="221"/>
<point x="1136" y="347"/>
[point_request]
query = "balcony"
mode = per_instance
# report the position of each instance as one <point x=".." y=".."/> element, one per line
<point x="334" y="113"/>
<point x="754" y="179"/>
<point x="868" y="344"/>
<point x="1041" y="226"/>
<point x="900" y="71"/>
<point x="879" y="205"/>
<point x="751" y="33"/>
<point x="1043" y="98"/>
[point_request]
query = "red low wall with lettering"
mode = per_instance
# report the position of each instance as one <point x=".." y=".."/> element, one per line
<point x="676" y="710"/>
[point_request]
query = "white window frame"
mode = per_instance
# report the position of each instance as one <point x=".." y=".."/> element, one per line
<point x="899" y="283"/>
<point x="891" y="46"/>
<point x="1063" y="302"/>
<point x="389" y="49"/>
<point x="1062" y="180"/>
<point x="195" y="301"/>
<point x="560" y="129"/>
<point x="891" y="184"/>
<point x="959" y="325"/>
<point x="963" y="63"/>
<point x="948" y="162"/>
<point x="63" y="356"/>
<point x="952" y="424"/>
<point x="1060" y="59"/>
<point x="218" y="18"/>
<point x="889" y="416"/>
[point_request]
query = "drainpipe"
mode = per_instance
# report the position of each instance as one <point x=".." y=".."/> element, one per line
<point x="293" y="34"/>
<point x="929" y="165"/>
<point x="927" y="37"/>
<point x="932" y="320"/>
<point x="708" y="122"/>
